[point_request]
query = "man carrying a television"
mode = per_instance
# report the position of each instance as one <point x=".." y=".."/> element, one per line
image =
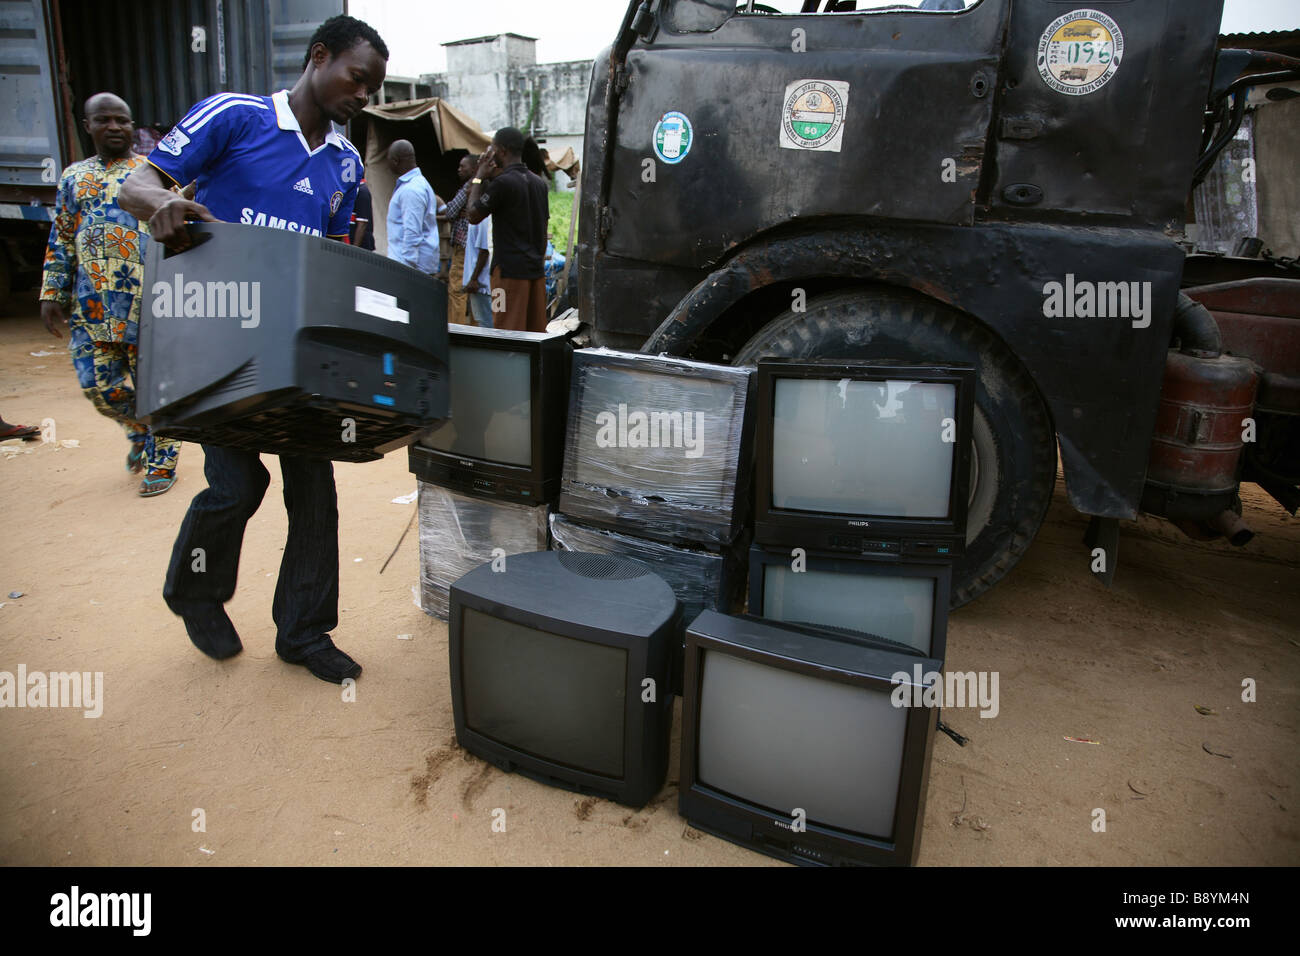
<point x="265" y="159"/>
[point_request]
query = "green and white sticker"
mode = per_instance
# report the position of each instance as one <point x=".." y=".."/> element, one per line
<point x="1079" y="52"/>
<point x="812" y="116"/>
<point x="672" y="137"/>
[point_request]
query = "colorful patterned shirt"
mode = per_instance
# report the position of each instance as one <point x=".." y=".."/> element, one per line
<point x="94" y="263"/>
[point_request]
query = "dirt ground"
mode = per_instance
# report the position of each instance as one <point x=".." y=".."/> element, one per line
<point x="287" y="772"/>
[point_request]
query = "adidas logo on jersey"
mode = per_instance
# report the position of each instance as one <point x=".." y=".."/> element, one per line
<point x="304" y="186"/>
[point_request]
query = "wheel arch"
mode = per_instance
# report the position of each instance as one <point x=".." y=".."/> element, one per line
<point x="757" y="282"/>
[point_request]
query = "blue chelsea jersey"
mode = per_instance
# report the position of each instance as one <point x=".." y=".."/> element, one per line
<point x="253" y="165"/>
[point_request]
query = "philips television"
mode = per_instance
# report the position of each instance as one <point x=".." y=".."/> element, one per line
<point x="658" y="446"/>
<point x="792" y="744"/>
<point x="863" y="457"/>
<point x="905" y="602"/>
<point x="560" y="671"/>
<point x="505" y="436"/>
<point x="276" y="341"/>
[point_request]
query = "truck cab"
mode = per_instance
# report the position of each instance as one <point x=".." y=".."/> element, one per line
<point x="1003" y="185"/>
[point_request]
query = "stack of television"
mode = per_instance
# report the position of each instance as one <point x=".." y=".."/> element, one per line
<point x="791" y="740"/>
<point x="657" y="468"/>
<point x="488" y="474"/>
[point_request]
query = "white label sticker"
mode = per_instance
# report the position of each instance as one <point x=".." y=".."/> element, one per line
<point x="1079" y="52"/>
<point x="381" y="305"/>
<point x="812" y="115"/>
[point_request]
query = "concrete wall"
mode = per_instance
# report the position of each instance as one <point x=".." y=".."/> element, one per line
<point x="498" y="80"/>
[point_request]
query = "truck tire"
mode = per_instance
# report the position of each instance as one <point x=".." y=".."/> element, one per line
<point x="1013" y="467"/>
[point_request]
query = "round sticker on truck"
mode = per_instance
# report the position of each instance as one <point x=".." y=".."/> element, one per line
<point x="672" y="137"/>
<point x="1079" y="52"/>
<point x="812" y="117"/>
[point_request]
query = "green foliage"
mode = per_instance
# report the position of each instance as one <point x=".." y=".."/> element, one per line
<point x="557" y="225"/>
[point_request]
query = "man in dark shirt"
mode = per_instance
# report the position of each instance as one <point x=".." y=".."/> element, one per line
<point x="363" y="233"/>
<point x="516" y="200"/>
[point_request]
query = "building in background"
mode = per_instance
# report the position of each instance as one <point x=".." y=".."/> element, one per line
<point x="498" y="81"/>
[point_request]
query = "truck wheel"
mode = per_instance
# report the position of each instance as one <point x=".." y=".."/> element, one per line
<point x="1013" y="468"/>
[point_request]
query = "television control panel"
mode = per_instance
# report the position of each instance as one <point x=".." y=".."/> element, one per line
<point x="862" y="542"/>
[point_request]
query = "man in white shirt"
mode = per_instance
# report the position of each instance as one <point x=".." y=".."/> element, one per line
<point x="478" y="253"/>
<point x="412" y="213"/>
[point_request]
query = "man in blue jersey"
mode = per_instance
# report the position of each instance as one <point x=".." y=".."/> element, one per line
<point x="273" y="161"/>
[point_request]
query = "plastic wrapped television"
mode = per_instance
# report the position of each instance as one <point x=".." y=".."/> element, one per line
<point x="700" y="579"/>
<point x="458" y="533"/>
<point x="658" y="447"/>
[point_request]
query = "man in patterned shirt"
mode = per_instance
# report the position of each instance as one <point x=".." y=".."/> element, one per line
<point x="93" y="268"/>
<point x="454" y="212"/>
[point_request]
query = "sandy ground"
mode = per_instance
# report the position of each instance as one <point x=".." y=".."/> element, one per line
<point x="287" y="772"/>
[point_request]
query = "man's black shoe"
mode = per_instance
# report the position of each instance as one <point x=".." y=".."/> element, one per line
<point x="330" y="664"/>
<point x="210" y="629"/>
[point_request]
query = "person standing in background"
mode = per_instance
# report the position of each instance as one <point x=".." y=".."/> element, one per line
<point x="454" y="213"/>
<point x="363" y="234"/>
<point x="94" y="267"/>
<point x="515" y="198"/>
<point x="478" y="251"/>
<point x="412" y="213"/>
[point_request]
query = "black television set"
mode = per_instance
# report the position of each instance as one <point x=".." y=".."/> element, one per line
<point x="505" y="436"/>
<point x="905" y="602"/>
<point x="658" y="446"/>
<point x="700" y="578"/>
<point x="863" y="457"/>
<point x="281" y="342"/>
<point x="792" y="744"/>
<point x="560" y="670"/>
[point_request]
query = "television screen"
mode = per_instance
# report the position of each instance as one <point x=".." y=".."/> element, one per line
<point x="862" y="448"/>
<point x="864" y="457"/>
<point x="904" y="602"/>
<point x="754" y="716"/>
<point x="504" y="438"/>
<point x="577" y="722"/>
<point x="280" y="342"/>
<point x="560" y="669"/>
<point x="792" y="744"/>
<point x="491" y="407"/>
<point x="657" y="446"/>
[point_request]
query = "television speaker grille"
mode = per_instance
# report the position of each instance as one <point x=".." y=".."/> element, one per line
<point x="602" y="566"/>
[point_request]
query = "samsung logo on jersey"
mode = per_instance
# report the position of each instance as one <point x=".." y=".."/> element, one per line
<point x="250" y="217"/>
